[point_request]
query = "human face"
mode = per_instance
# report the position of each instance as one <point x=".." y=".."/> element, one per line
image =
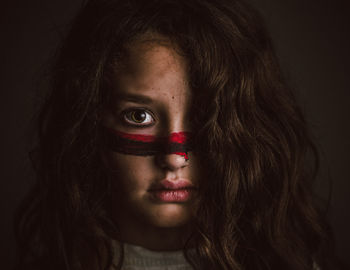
<point x="151" y="96"/>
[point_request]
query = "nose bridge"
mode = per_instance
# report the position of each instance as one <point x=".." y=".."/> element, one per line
<point x="176" y="123"/>
<point x="175" y="134"/>
<point x="176" y="113"/>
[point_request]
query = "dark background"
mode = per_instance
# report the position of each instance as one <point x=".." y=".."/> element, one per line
<point x="311" y="38"/>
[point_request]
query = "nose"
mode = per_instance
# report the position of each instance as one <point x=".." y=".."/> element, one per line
<point x="172" y="162"/>
<point x="174" y="153"/>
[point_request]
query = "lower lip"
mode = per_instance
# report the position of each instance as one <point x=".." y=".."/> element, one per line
<point x="172" y="195"/>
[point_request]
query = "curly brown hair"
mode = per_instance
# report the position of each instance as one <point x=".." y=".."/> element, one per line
<point x="256" y="208"/>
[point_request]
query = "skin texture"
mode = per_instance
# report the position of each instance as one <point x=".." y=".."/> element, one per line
<point x="153" y="78"/>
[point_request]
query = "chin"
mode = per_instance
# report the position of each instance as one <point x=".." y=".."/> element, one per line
<point x="170" y="215"/>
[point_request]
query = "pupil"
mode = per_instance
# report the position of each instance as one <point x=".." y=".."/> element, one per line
<point x="139" y="116"/>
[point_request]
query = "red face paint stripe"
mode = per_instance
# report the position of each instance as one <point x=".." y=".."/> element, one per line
<point x="175" y="137"/>
<point x="178" y="143"/>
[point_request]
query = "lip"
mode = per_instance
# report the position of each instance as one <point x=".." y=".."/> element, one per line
<point x="176" y="191"/>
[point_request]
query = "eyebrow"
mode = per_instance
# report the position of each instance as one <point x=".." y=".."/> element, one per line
<point x="137" y="98"/>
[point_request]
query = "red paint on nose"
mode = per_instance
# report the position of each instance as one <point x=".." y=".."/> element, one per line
<point x="185" y="155"/>
<point x="179" y="137"/>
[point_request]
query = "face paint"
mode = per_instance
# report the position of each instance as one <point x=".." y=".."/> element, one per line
<point x="179" y="143"/>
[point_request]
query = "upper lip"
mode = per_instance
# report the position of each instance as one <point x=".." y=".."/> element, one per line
<point x="172" y="185"/>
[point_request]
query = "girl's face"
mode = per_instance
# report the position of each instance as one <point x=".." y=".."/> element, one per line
<point x="151" y="96"/>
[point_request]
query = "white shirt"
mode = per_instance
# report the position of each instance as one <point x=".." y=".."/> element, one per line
<point x="139" y="258"/>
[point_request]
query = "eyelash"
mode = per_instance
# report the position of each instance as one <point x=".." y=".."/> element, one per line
<point x="127" y="117"/>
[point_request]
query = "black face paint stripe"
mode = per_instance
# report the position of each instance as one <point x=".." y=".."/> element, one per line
<point x="147" y="145"/>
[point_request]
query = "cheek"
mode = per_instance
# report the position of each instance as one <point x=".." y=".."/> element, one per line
<point x="132" y="173"/>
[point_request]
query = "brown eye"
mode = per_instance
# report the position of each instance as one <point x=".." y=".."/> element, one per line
<point x="138" y="117"/>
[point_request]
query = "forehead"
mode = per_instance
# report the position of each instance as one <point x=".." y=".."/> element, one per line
<point x="152" y="67"/>
<point x="161" y="55"/>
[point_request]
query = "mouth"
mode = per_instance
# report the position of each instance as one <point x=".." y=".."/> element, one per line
<point x="177" y="191"/>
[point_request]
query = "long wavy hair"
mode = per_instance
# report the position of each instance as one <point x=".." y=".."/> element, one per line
<point x="256" y="207"/>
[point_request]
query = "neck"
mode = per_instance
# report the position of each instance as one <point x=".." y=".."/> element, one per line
<point x="153" y="238"/>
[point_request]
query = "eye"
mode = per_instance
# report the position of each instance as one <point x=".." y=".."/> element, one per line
<point x="138" y="117"/>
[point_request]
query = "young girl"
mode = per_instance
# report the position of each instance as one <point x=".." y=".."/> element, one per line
<point x="170" y="141"/>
